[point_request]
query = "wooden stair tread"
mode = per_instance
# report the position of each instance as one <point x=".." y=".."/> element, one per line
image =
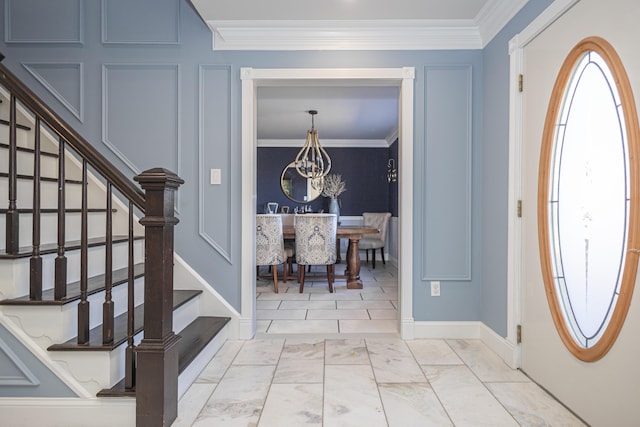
<point x="180" y="297"/>
<point x="194" y="338"/>
<point x="94" y="284"/>
<point x="42" y="178"/>
<point x="51" y="248"/>
<point x="55" y="210"/>
<point x="28" y="150"/>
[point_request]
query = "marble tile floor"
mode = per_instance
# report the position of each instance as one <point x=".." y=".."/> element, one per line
<point x="353" y="382"/>
<point x="370" y="310"/>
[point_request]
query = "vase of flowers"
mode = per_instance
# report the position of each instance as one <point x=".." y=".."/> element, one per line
<point x="333" y="187"/>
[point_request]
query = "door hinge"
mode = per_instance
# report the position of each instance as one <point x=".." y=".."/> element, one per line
<point x="519" y="209"/>
<point x="520" y="83"/>
<point x="519" y="334"/>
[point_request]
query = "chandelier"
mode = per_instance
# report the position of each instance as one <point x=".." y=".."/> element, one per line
<point x="312" y="160"/>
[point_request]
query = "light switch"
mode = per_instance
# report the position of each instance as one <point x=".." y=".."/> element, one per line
<point x="216" y="176"/>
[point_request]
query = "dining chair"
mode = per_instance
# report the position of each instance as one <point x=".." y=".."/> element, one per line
<point x="316" y="244"/>
<point x="270" y="248"/>
<point x="379" y="220"/>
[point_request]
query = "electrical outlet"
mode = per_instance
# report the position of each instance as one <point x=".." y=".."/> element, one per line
<point x="435" y="288"/>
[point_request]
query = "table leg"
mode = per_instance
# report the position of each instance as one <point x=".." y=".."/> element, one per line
<point x="338" y="256"/>
<point x="353" y="264"/>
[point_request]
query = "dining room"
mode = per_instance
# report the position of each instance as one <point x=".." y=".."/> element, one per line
<point x="362" y="157"/>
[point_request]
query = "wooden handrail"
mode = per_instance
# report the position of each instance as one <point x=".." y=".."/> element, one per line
<point x="73" y="138"/>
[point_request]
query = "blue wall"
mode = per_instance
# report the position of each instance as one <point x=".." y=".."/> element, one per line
<point x="142" y="82"/>
<point x="495" y="164"/>
<point x="364" y="171"/>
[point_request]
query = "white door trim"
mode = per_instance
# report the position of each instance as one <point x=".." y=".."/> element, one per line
<point x="514" y="241"/>
<point x="252" y="78"/>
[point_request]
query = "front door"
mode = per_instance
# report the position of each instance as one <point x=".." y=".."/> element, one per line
<point x="602" y="392"/>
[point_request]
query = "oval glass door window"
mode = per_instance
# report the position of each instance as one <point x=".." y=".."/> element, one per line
<point x="586" y="209"/>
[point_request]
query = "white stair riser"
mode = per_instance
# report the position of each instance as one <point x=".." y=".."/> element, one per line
<point x="73" y="221"/>
<point x="48" y="164"/>
<point x="49" y="325"/>
<point x="48" y="195"/>
<point x="23" y="137"/>
<point x="96" y="372"/>
<point x="14" y="274"/>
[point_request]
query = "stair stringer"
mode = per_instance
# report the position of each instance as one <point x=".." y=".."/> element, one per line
<point x="43" y="357"/>
<point x="211" y="302"/>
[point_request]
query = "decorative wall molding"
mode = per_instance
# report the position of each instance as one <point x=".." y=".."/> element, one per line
<point x="204" y="163"/>
<point x="66" y="28"/>
<point x="448" y="134"/>
<point x="138" y="12"/>
<point x="22" y="374"/>
<point x="37" y="70"/>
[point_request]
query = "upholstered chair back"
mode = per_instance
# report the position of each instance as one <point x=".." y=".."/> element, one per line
<point x="379" y="220"/>
<point x="269" y="240"/>
<point x="316" y="239"/>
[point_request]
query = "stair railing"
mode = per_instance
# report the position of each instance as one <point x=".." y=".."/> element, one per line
<point x="154" y="376"/>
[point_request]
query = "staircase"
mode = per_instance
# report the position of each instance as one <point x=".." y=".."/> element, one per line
<point x="86" y="276"/>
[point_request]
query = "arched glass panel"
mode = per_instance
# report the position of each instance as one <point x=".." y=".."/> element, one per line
<point x="586" y="209"/>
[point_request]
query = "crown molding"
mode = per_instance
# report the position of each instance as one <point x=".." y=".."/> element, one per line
<point x="345" y="35"/>
<point x="392" y="34"/>
<point x="327" y="143"/>
<point x="495" y="15"/>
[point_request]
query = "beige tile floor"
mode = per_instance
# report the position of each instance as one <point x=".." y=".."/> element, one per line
<point x="336" y="360"/>
<point x="370" y="310"/>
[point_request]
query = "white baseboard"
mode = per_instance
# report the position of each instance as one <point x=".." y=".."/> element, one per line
<point x="507" y="350"/>
<point x="69" y="412"/>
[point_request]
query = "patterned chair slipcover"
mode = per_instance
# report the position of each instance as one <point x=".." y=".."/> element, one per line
<point x="379" y="220"/>
<point x="270" y="244"/>
<point x="316" y="244"/>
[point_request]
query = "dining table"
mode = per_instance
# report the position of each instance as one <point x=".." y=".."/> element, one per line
<point x="354" y="233"/>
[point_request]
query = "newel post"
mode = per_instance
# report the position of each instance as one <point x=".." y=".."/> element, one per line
<point x="157" y="367"/>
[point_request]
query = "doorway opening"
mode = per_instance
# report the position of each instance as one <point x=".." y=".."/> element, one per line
<point x="252" y="79"/>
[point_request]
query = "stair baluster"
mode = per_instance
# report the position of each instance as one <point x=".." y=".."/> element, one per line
<point x="60" y="284"/>
<point x="35" y="263"/>
<point x="130" y="360"/>
<point x="12" y="218"/>
<point x="107" y="307"/>
<point x="83" y="305"/>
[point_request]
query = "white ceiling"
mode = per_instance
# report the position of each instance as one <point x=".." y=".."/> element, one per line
<point x="221" y="10"/>
<point x="347" y="116"/>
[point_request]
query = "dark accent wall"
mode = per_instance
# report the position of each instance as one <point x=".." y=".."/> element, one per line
<point x="363" y="169"/>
